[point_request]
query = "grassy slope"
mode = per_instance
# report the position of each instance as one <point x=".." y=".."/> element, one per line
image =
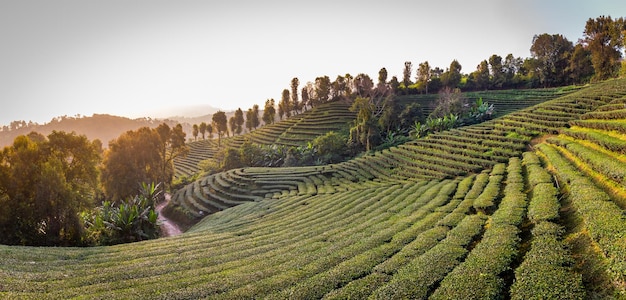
<point x="392" y="237"/>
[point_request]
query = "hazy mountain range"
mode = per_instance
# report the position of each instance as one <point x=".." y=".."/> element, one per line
<point x="108" y="127"/>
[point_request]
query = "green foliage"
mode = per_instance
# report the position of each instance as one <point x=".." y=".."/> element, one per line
<point x="479" y="112"/>
<point x="208" y="166"/>
<point x="232" y="159"/>
<point x="144" y="155"/>
<point x="544" y="204"/>
<point x="608" y="142"/>
<point x="599" y="161"/>
<point x="546" y="271"/>
<point x="607" y="125"/>
<point x="478" y="277"/>
<point x="44" y="184"/>
<point x="486" y="200"/>
<point x="330" y="148"/>
<point x="603" y="218"/>
<point x="134" y="219"/>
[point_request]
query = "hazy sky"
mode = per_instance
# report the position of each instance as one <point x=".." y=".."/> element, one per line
<point x="144" y="58"/>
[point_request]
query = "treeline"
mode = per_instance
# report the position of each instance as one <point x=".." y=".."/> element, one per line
<point x="64" y="189"/>
<point x="554" y="61"/>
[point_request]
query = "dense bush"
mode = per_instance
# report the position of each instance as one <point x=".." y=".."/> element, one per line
<point x="603" y="218"/>
<point x="608" y="142"/>
<point x="131" y="220"/>
<point x="616" y="125"/>
<point x="546" y="271"/>
<point x="544" y="204"/>
<point x="478" y="277"/>
<point x="486" y="200"/>
<point x="600" y="162"/>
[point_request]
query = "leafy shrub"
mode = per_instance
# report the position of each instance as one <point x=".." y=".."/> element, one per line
<point x="478" y="277"/>
<point x="606" y="141"/>
<point x="603" y="218"/>
<point x="544" y="205"/>
<point x="600" y="162"/>
<point x="486" y="200"/>
<point x="546" y="272"/>
<point x="617" y="125"/>
<point x="132" y="220"/>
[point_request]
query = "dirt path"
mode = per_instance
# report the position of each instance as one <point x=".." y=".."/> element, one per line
<point x="168" y="228"/>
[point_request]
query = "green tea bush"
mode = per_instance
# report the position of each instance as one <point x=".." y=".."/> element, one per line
<point x="603" y="218"/>
<point x="478" y="277"/>
<point x="544" y="204"/>
<point x="608" y="142"/>
<point x="486" y="200"/>
<point x="616" y="125"/>
<point x="546" y="271"/>
<point x="600" y="162"/>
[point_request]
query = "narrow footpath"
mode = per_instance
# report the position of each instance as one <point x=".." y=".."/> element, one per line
<point x="168" y="228"/>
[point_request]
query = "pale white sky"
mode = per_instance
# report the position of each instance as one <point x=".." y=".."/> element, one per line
<point x="140" y="58"/>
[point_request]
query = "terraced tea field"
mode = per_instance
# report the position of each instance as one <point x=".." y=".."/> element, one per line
<point x="481" y="212"/>
<point x="448" y="154"/>
<point x="295" y="131"/>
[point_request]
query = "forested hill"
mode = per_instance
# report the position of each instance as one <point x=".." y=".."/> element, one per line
<point x="98" y="126"/>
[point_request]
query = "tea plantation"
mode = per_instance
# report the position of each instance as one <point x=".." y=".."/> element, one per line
<point x="526" y="206"/>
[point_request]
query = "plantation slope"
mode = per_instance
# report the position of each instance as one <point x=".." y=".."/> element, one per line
<point x="392" y="240"/>
<point x="505" y="101"/>
<point x="448" y="154"/>
<point x="294" y="131"/>
<point x="590" y="162"/>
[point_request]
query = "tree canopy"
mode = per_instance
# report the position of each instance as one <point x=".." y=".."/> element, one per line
<point x="46" y="182"/>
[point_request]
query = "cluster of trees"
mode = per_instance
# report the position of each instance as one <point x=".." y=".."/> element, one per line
<point x="54" y="189"/>
<point x="554" y="61"/>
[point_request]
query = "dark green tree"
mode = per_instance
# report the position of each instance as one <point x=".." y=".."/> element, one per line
<point x="286" y="102"/>
<point x="44" y="185"/>
<point x="269" y="112"/>
<point x="195" y="131"/>
<point x="498" y="76"/>
<point x="481" y="76"/>
<point x="423" y="76"/>
<point x="295" y="102"/>
<point x="220" y="124"/>
<point x="406" y="74"/>
<point x="255" y="116"/>
<point x="322" y="90"/>
<point x="580" y="67"/>
<point x="452" y="77"/>
<point x="239" y="121"/>
<point x="551" y="53"/>
<point x="605" y="39"/>
<point x="202" y="128"/>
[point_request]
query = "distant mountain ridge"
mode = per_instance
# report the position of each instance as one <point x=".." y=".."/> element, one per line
<point x="98" y="126"/>
<point x="106" y="127"/>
